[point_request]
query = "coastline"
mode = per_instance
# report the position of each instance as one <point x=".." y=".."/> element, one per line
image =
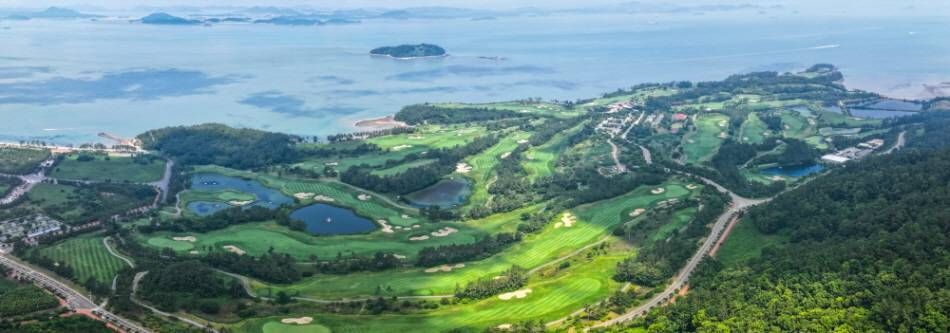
<point x="408" y="58"/>
<point x="380" y="123"/>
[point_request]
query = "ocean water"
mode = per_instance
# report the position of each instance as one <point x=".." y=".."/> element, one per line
<point x="66" y="81"/>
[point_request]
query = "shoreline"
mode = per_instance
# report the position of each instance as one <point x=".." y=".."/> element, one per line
<point x="384" y="122"/>
<point x="408" y="58"/>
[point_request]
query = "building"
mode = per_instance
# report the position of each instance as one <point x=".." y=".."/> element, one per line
<point x="834" y="159"/>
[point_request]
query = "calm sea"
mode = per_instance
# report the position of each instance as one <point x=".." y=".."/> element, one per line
<point x="66" y="81"/>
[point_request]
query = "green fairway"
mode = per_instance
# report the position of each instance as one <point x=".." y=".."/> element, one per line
<point x="833" y="119"/>
<point x="702" y="144"/>
<point x="21" y="160"/>
<point x="680" y="219"/>
<point x="539" y="161"/>
<point x="746" y="242"/>
<point x="277" y="327"/>
<point x="533" y="108"/>
<point x="753" y="130"/>
<point x="402" y="167"/>
<point x="430" y="137"/>
<point x="797" y="126"/>
<point x="568" y="290"/>
<point x="88" y="257"/>
<point x="484" y="163"/>
<point x="342" y="195"/>
<point x="110" y="168"/>
<point x="594" y="221"/>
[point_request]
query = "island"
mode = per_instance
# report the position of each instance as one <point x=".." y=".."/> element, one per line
<point x="407" y="51"/>
<point x="167" y="19"/>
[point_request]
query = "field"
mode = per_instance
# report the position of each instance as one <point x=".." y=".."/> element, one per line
<point x="484" y="163"/>
<point x="69" y="202"/>
<point x="753" y="130"/>
<point x="703" y="143"/>
<point x="431" y="137"/>
<point x="746" y="242"/>
<point x="88" y="257"/>
<point x="539" y="161"/>
<point x="680" y="219"/>
<point x="537" y="108"/>
<point x="20" y="160"/>
<point x="110" y="168"/>
<point x="585" y="282"/>
<point x="595" y="221"/>
<point x="20" y="299"/>
<point x="832" y="119"/>
<point x="258" y="238"/>
<point x="402" y="167"/>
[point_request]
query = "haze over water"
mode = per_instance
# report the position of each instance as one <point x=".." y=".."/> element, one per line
<point x="66" y="81"/>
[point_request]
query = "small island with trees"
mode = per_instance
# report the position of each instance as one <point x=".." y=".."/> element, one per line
<point x="407" y="51"/>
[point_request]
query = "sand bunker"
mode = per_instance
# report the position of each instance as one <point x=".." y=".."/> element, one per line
<point x="504" y="327"/>
<point x="463" y="168"/>
<point x="234" y="249"/>
<point x="416" y="137"/>
<point x="419" y="238"/>
<point x="364" y="197"/>
<point x="723" y="135"/>
<point x="522" y="141"/>
<point x="303" y="195"/>
<point x="297" y="321"/>
<point x="444" y="232"/>
<point x="401" y="147"/>
<point x="515" y="294"/>
<point x="567" y="221"/>
<point x="722" y="123"/>
<point x="399" y="256"/>
<point x="692" y="186"/>
<point x="416" y="226"/>
<point x="324" y="198"/>
<point x="658" y="190"/>
<point x="505" y="155"/>
<point x="637" y="212"/>
<point x="239" y="203"/>
<point x="444" y="268"/>
<point x="385" y="226"/>
<point x="185" y="239"/>
<point x="404" y="216"/>
<point x="777" y="178"/>
<point x="193" y="252"/>
<point x="331" y="163"/>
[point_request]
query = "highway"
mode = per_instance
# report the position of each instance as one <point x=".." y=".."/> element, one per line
<point x="739" y="204"/>
<point x="75" y="300"/>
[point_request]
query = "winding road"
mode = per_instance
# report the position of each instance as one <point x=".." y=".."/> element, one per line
<point x="898" y="145"/>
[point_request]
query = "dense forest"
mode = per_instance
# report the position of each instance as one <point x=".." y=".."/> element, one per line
<point x="188" y="285"/>
<point x="867" y="253"/>
<point x="238" y="148"/>
<point x="432" y="114"/>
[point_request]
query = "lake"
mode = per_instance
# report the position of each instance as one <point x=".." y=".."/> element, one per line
<point x="323" y="219"/>
<point x="64" y="81"/>
<point x="445" y="193"/>
<point x="264" y="196"/>
<point x="799" y="171"/>
<point x="206" y="208"/>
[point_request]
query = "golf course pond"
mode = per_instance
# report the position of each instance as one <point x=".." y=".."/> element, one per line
<point x="263" y="196"/>
<point x="323" y="219"/>
<point x="798" y="171"/>
<point x="445" y="193"/>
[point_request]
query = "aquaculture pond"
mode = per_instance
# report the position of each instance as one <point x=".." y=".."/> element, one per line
<point x="879" y="114"/>
<point x="205" y="208"/>
<point x="323" y="219"/>
<point x="799" y="171"/>
<point x="445" y="193"/>
<point x="263" y="196"/>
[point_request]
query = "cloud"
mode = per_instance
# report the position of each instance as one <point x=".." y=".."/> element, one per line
<point x="139" y="84"/>
<point x="468" y="71"/>
<point x="293" y="106"/>
<point x="22" y="72"/>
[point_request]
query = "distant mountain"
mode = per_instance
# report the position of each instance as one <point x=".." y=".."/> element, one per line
<point x="17" y="17"/>
<point x="60" y="13"/>
<point x="167" y="19"/>
<point x="435" y="13"/>
<point x="306" y="20"/>
<point x="271" y="11"/>
<point x="410" y="51"/>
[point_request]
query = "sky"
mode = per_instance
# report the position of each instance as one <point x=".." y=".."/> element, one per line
<point x="841" y="7"/>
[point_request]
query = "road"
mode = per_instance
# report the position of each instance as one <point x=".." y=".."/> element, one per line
<point x="74" y="300"/>
<point x="738" y="204"/>
<point x="105" y="242"/>
<point x="375" y="195"/>
<point x="162" y="184"/>
<point x="29" y="181"/>
<point x="898" y="145"/>
<point x="615" y="154"/>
